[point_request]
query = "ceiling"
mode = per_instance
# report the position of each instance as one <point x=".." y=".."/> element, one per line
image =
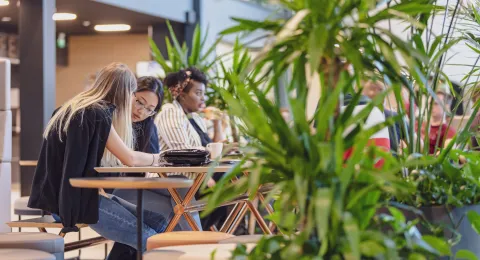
<point x="86" y="10"/>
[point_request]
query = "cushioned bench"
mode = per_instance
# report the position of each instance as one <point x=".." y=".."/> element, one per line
<point x="25" y="254"/>
<point x="42" y="223"/>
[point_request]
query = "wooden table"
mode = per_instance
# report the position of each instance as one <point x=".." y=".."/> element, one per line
<point x="181" y="204"/>
<point x="138" y="184"/>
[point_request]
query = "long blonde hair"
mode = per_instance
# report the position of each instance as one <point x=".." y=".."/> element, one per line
<point x="114" y="84"/>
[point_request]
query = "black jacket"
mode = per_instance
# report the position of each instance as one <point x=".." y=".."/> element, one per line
<point x="76" y="156"/>
<point x="146" y="136"/>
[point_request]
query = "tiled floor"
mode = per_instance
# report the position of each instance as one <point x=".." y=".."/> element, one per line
<point x="96" y="252"/>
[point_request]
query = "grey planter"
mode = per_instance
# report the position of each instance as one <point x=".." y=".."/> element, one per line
<point x="470" y="240"/>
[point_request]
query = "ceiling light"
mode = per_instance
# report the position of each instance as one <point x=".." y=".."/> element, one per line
<point x="4" y="3"/>
<point x="6" y="19"/>
<point x="64" y="16"/>
<point x="86" y="23"/>
<point x="112" y="27"/>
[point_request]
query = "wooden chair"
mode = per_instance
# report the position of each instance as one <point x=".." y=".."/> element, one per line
<point x="182" y="238"/>
<point x="194" y="252"/>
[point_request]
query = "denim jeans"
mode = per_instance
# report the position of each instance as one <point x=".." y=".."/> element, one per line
<point x="117" y="221"/>
<point x="160" y="201"/>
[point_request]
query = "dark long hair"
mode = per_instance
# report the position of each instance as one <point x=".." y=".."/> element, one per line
<point x="145" y="128"/>
<point x="154" y="85"/>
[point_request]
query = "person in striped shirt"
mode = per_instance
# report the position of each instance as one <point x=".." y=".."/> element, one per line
<point x="181" y="127"/>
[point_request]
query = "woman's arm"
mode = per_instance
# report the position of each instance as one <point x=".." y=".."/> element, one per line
<point x="217" y="131"/>
<point x="126" y="155"/>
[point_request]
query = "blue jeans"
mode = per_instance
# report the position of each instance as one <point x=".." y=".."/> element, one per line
<point x="160" y="201"/>
<point x="117" y="221"/>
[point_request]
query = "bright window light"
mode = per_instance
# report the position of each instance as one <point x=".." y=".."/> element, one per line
<point x="4" y="2"/>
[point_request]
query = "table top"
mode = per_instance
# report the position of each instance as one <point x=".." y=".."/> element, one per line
<point x="166" y="169"/>
<point x="28" y="163"/>
<point x="130" y="183"/>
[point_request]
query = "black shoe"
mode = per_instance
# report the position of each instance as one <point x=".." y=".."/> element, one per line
<point x="122" y="252"/>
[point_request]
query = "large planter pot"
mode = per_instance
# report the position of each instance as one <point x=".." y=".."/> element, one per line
<point x="470" y="240"/>
<point x="439" y="215"/>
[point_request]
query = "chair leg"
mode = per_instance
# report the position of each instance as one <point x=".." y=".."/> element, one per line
<point x="106" y="250"/>
<point x="19" y="218"/>
<point x="79" y="239"/>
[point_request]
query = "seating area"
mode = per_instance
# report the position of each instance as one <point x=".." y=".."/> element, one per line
<point x="228" y="129"/>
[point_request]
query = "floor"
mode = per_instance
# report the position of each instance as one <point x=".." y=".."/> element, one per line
<point x="91" y="253"/>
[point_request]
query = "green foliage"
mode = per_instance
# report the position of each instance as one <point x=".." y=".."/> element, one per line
<point x="180" y="57"/>
<point x="327" y="207"/>
<point x="452" y="182"/>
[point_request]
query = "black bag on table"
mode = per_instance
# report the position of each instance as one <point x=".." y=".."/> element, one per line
<point x="187" y="157"/>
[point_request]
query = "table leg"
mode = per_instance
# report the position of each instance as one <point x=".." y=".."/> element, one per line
<point x="259" y="218"/>
<point x="181" y="204"/>
<point x="191" y="221"/>
<point x="230" y="218"/>
<point x="139" y="224"/>
<point x="233" y="227"/>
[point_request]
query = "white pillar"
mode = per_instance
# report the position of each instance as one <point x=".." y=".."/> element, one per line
<point x="5" y="146"/>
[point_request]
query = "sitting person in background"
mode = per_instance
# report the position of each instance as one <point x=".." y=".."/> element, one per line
<point x="396" y="132"/>
<point x="379" y="139"/>
<point x="147" y="101"/>
<point x="475" y="127"/>
<point x="372" y="89"/>
<point x="180" y="126"/>
<point x="439" y="134"/>
<point x="93" y="129"/>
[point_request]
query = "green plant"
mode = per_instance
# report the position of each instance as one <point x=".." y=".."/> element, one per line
<point x="326" y="205"/>
<point x="454" y="182"/>
<point x="224" y="81"/>
<point x="180" y="57"/>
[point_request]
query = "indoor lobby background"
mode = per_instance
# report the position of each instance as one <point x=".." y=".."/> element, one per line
<point x="53" y="60"/>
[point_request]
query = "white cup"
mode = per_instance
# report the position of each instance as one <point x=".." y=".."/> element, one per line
<point x="215" y="150"/>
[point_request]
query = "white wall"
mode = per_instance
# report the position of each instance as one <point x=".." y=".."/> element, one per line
<point x="216" y="16"/>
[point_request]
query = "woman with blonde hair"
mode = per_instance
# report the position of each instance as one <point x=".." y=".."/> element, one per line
<point x="92" y="129"/>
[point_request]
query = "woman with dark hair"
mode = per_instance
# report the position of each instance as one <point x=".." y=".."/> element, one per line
<point x="181" y="127"/>
<point x="147" y="102"/>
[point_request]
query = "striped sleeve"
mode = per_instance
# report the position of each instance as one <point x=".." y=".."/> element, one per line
<point x="172" y="129"/>
<point x="172" y="132"/>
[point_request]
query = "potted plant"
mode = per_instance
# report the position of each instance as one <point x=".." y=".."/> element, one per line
<point x="180" y="57"/>
<point x="447" y="187"/>
<point x="326" y="206"/>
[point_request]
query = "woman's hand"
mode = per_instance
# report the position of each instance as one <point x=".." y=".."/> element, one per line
<point x="211" y="182"/>
<point x="213" y="113"/>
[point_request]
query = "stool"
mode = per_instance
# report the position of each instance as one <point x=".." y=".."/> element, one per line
<point x="181" y="238"/>
<point x="45" y="242"/>
<point x="20" y="208"/>
<point x="25" y="254"/>
<point x="194" y="252"/>
<point x="242" y="239"/>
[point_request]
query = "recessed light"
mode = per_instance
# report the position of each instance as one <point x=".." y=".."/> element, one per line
<point x="112" y="27"/>
<point x="64" y="16"/>
<point x="6" y="19"/>
<point x="86" y="23"/>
